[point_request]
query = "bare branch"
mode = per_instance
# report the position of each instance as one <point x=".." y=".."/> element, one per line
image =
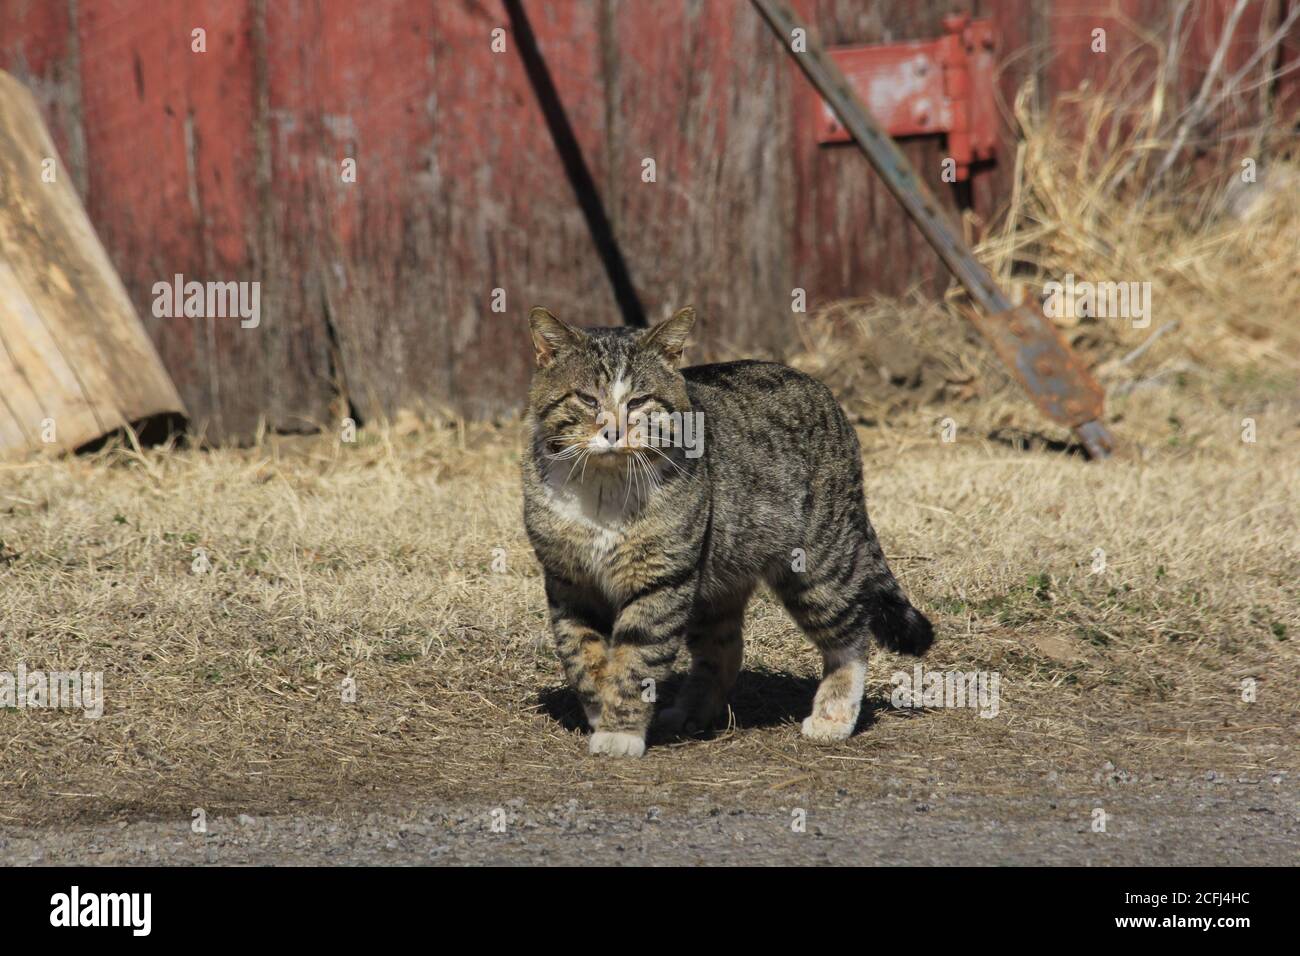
<point x="1264" y="50"/>
<point x="1196" y="112"/>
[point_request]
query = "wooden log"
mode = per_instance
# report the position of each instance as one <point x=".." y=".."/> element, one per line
<point x="75" y="361"/>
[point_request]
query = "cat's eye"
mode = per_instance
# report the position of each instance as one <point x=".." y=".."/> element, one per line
<point x="634" y="403"/>
<point x="586" y="399"/>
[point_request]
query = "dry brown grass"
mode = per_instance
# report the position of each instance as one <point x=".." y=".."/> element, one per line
<point x="1222" y="255"/>
<point x="374" y="561"/>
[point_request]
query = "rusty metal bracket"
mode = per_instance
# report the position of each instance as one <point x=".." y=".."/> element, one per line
<point x="1051" y="373"/>
<point x="925" y="87"/>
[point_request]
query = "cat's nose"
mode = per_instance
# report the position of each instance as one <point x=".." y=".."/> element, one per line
<point x="607" y="434"/>
<point x="613" y="426"/>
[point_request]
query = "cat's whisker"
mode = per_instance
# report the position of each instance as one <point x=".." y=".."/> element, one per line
<point x="642" y="470"/>
<point x="668" y="458"/>
<point x="653" y="481"/>
<point x="566" y="453"/>
<point x="578" y="459"/>
<point x="573" y="443"/>
<point x="651" y="471"/>
<point x="630" y="480"/>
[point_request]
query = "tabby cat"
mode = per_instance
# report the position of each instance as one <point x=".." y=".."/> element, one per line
<point x="657" y="499"/>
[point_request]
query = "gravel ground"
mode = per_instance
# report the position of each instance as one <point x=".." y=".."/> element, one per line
<point x="1206" y="821"/>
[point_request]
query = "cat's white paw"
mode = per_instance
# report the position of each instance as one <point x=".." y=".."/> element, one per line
<point x="818" y="728"/>
<point x="616" y="744"/>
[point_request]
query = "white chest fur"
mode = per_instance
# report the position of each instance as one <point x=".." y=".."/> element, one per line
<point x="598" y="507"/>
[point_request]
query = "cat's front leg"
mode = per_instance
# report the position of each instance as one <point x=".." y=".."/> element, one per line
<point x="647" y="635"/>
<point x="581" y="635"/>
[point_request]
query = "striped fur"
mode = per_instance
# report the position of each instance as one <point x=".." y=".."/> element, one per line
<point x="647" y="550"/>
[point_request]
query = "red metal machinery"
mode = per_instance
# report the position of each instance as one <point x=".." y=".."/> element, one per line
<point x="924" y="88"/>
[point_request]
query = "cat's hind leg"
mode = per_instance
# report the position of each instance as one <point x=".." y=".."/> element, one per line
<point x="836" y="620"/>
<point x="714" y="638"/>
<point x="839" y="696"/>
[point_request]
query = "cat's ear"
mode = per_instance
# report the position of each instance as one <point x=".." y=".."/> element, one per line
<point x="669" y="336"/>
<point x="551" y="336"/>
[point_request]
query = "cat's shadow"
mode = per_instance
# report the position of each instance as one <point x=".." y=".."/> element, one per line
<point x="761" y="699"/>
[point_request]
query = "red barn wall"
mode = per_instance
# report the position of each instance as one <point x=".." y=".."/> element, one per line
<point x="227" y="165"/>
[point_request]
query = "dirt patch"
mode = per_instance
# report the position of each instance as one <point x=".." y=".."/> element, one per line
<point x="1168" y="822"/>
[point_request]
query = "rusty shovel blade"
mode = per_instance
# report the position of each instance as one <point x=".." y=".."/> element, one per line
<point x="1055" y="378"/>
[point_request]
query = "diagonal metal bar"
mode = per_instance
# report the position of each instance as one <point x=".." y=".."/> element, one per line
<point x="1032" y="348"/>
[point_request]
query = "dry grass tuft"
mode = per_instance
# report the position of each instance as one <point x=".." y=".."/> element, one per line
<point x="1222" y="255"/>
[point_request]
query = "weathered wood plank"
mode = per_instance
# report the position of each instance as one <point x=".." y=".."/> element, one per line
<point x="39" y="47"/>
<point x="174" y="185"/>
<point x="700" y="91"/>
<point x="458" y="192"/>
<point x="852" y="237"/>
<point x="76" y="360"/>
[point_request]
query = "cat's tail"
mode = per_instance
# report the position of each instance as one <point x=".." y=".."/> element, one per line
<point x="896" y="625"/>
<point x="900" y="627"/>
